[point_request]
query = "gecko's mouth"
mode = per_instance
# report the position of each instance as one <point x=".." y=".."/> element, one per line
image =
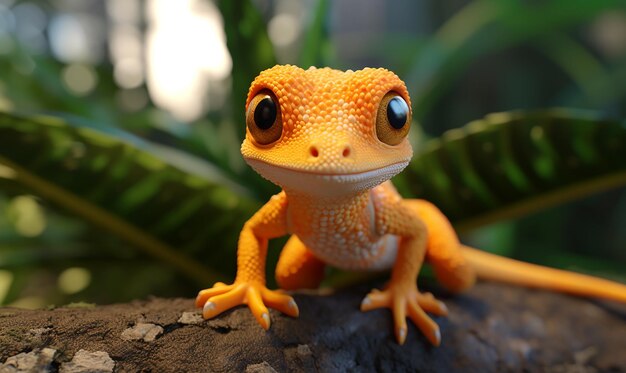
<point x="320" y="183"/>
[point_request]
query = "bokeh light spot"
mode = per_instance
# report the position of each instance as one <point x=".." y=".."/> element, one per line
<point x="186" y="51"/>
<point x="536" y="133"/>
<point x="31" y="22"/>
<point x="608" y="32"/>
<point x="125" y="42"/>
<point x="27" y="216"/>
<point x="124" y="10"/>
<point x="128" y="73"/>
<point x="283" y="29"/>
<point x="76" y="38"/>
<point x="74" y="280"/>
<point x="80" y="79"/>
<point x="5" y="104"/>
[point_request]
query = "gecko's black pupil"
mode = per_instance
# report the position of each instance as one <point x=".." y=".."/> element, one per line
<point x="265" y="113"/>
<point x="397" y="112"/>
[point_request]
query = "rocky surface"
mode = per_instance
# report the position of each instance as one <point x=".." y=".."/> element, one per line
<point x="492" y="328"/>
<point x="144" y="331"/>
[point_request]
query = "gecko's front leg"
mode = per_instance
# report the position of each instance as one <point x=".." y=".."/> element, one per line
<point x="401" y="294"/>
<point x="222" y="297"/>
<point x="249" y="286"/>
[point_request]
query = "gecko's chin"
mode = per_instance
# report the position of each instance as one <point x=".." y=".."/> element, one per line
<point x="325" y="184"/>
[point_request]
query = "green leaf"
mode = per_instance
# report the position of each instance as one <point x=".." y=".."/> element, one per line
<point x="483" y="27"/>
<point x="250" y="49"/>
<point x="162" y="201"/>
<point x="515" y="163"/>
<point x="316" y="40"/>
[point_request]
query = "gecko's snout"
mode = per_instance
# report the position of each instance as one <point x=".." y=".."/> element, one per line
<point x="343" y="151"/>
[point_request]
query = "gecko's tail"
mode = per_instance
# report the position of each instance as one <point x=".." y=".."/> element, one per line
<point x="493" y="267"/>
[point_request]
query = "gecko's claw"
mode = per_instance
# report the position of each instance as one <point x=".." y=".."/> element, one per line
<point x="222" y="297"/>
<point x="409" y="303"/>
<point x="429" y="304"/>
<point x="217" y="289"/>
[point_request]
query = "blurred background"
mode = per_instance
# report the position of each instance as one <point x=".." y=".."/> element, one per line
<point x="176" y="73"/>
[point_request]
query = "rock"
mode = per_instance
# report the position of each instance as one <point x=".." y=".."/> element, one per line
<point x="146" y="331"/>
<point x="38" y="360"/>
<point x="89" y="362"/>
<point x="263" y="367"/>
<point x="38" y="335"/>
<point x="190" y="318"/>
<point x="491" y="328"/>
<point x="300" y="358"/>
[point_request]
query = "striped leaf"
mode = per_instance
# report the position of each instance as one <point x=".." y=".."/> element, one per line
<point x="165" y="202"/>
<point x="511" y="164"/>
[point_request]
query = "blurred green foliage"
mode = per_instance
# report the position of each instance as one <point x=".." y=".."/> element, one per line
<point x="186" y="185"/>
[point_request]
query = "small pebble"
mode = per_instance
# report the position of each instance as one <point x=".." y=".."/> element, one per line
<point x="147" y="332"/>
<point x="89" y="362"/>
<point x="263" y="367"/>
<point x="38" y="360"/>
<point x="190" y="318"/>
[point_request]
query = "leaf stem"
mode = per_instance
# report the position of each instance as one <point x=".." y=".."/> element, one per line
<point x="109" y="222"/>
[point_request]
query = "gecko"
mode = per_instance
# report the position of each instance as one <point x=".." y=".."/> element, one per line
<point x="332" y="140"/>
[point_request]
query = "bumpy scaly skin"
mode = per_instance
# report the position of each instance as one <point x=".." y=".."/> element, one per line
<point x="340" y="208"/>
<point x="331" y="111"/>
<point x="335" y="200"/>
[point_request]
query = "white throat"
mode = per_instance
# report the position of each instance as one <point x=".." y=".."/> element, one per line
<point x="325" y="185"/>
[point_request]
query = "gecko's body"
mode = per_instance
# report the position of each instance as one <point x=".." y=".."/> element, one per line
<point x="332" y="140"/>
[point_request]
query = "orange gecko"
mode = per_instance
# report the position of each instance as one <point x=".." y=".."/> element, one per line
<point x="332" y="140"/>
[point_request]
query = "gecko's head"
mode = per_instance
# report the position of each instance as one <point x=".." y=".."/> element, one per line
<point x="327" y="132"/>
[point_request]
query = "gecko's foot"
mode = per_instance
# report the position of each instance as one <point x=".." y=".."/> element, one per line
<point x="222" y="297"/>
<point x="409" y="303"/>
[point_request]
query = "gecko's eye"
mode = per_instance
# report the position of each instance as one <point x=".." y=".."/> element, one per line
<point x="393" y="119"/>
<point x="263" y="118"/>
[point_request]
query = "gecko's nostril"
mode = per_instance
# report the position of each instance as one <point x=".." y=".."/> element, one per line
<point x="314" y="152"/>
<point x="346" y="152"/>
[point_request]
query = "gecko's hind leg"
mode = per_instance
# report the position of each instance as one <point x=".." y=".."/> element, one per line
<point x="297" y="268"/>
<point x="444" y="249"/>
